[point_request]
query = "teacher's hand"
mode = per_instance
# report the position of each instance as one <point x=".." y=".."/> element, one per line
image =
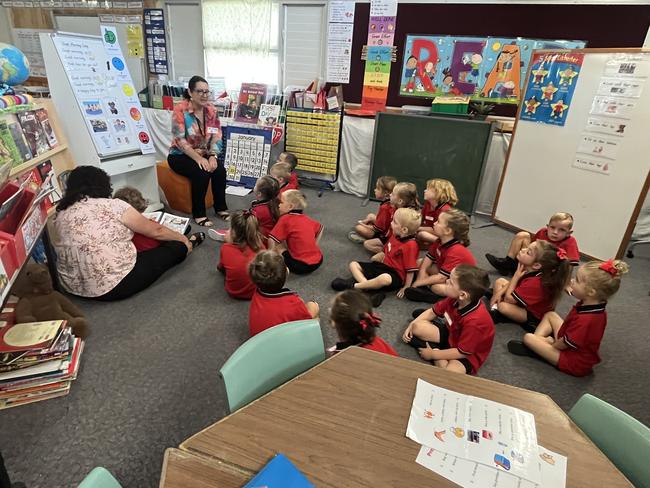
<point x="204" y="164"/>
<point x="212" y="160"/>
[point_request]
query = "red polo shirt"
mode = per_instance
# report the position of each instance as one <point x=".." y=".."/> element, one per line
<point x="379" y="345"/>
<point x="293" y="181"/>
<point x="144" y="243"/>
<point x="384" y="218"/>
<point x="430" y="213"/>
<point x="471" y="329"/>
<point x="582" y="331"/>
<point x="288" y="185"/>
<point x="299" y="232"/>
<point x="531" y="295"/>
<point x="570" y="245"/>
<point x="262" y="210"/>
<point x="449" y="255"/>
<point x="269" y="309"/>
<point x="234" y="261"/>
<point x="401" y="254"/>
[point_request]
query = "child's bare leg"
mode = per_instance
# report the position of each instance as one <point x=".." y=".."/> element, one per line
<point x="441" y="363"/>
<point x="279" y="248"/>
<point x="313" y="309"/>
<point x="513" y="312"/>
<point x="357" y="273"/>
<point x="425" y="330"/>
<point x="364" y="231"/>
<point x="373" y="245"/>
<point x="521" y="240"/>
<point x="376" y="283"/>
<point x="439" y="289"/>
<point x="550" y="325"/>
<point x="539" y="345"/>
<point x="379" y="257"/>
<point x="498" y="289"/>
<point x="370" y="218"/>
<point x="455" y="366"/>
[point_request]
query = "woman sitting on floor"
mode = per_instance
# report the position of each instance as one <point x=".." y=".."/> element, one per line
<point x="96" y="257"/>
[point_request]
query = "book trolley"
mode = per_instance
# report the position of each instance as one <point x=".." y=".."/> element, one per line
<point x="314" y="137"/>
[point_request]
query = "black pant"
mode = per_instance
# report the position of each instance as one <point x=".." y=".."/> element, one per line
<point x="149" y="266"/>
<point x="200" y="179"/>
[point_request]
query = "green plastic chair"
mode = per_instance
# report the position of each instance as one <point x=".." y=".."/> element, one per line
<point x="622" y="438"/>
<point x="271" y="358"/>
<point x="99" y="478"/>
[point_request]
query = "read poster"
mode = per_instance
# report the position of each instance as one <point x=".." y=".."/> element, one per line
<point x="553" y="79"/>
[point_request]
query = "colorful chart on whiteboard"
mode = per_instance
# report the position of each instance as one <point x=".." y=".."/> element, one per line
<point x="247" y="153"/>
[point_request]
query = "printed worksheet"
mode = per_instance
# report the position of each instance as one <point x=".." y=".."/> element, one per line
<point x="470" y="474"/>
<point x="475" y="429"/>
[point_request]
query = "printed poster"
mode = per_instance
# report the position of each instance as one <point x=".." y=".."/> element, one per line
<point x="251" y="98"/>
<point x="475" y="429"/>
<point x="552" y="82"/>
<point x="628" y="65"/>
<point x="154" y="32"/>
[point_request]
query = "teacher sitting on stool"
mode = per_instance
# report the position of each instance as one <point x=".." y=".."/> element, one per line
<point x="196" y="133"/>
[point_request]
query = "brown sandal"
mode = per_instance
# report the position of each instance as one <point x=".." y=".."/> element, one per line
<point x="203" y="222"/>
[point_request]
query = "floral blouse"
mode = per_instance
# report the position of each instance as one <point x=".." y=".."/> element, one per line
<point x="93" y="246"/>
<point x="190" y="132"/>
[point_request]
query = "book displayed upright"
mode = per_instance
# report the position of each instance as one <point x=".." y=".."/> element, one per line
<point x="34" y="133"/>
<point x="251" y="98"/>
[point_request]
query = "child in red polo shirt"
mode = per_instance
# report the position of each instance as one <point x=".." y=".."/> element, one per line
<point x="265" y="205"/>
<point x="535" y="288"/>
<point x="399" y="264"/>
<point x="292" y="159"/>
<point x="299" y="233"/>
<point x="282" y="173"/>
<point x="272" y="304"/>
<point x="572" y="344"/>
<point x="458" y="332"/>
<point x="355" y="323"/>
<point x="375" y="225"/>
<point x="243" y="242"/>
<point x="439" y="196"/>
<point x="404" y="195"/>
<point x="557" y="232"/>
<point x="134" y="197"/>
<point x="449" y="250"/>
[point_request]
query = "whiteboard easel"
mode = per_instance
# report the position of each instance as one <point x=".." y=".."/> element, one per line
<point x="539" y="177"/>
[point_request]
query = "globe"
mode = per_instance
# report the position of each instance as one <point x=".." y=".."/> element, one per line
<point x="14" y="67"/>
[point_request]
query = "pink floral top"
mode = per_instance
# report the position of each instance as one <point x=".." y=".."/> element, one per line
<point x="93" y="246"/>
<point x="190" y="132"/>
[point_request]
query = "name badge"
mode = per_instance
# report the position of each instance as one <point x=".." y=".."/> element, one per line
<point x="447" y="318"/>
<point x="213" y="130"/>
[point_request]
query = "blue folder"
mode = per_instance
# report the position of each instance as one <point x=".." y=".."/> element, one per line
<point x="279" y="473"/>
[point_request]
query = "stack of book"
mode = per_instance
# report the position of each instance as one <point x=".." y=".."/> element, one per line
<point x="25" y="135"/>
<point x="38" y="361"/>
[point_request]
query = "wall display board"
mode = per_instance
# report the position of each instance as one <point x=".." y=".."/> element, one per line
<point x="417" y="148"/>
<point x="487" y="68"/>
<point x="595" y="165"/>
<point x="315" y="139"/>
<point x="104" y="92"/>
<point x="248" y="151"/>
<point x="154" y="33"/>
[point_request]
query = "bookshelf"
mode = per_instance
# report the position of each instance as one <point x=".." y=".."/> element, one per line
<point x="32" y="163"/>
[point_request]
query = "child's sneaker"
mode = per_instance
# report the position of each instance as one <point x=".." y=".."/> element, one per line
<point x="218" y="234"/>
<point x="356" y="238"/>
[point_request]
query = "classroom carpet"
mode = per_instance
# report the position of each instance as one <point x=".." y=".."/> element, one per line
<point x="149" y="371"/>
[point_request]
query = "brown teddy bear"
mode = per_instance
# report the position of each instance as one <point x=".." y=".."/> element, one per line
<point x="39" y="302"/>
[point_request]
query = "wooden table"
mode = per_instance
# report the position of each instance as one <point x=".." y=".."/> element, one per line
<point x="343" y="424"/>
<point x="182" y="469"/>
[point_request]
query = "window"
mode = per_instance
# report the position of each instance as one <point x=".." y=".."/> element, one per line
<point x="241" y="41"/>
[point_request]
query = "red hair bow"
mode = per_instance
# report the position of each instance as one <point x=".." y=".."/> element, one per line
<point x="370" y="319"/>
<point x="561" y="254"/>
<point x="608" y="267"/>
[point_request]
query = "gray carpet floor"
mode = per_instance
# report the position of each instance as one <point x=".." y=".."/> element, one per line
<point x="148" y="377"/>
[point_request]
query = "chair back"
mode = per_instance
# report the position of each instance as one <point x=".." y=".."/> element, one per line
<point x="271" y="358"/>
<point x="99" y="478"/>
<point x="622" y="438"/>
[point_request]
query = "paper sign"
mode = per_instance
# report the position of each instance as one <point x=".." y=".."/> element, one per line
<point x="596" y="166"/>
<point x="611" y="127"/>
<point x="613" y="107"/>
<point x="621" y="87"/>
<point x="598" y="146"/>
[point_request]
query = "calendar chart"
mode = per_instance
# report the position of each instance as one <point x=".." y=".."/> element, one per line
<point x="248" y="152"/>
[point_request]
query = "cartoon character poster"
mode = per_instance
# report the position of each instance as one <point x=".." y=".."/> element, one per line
<point x="553" y="78"/>
<point x="501" y="71"/>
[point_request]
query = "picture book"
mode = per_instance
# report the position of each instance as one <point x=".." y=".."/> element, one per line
<point x="49" y="180"/>
<point x="18" y="137"/>
<point x="251" y="98"/>
<point x="173" y="222"/>
<point x="269" y="114"/>
<point x="279" y="473"/>
<point x="9" y="155"/>
<point x="41" y="115"/>
<point x="29" y="336"/>
<point x="34" y="133"/>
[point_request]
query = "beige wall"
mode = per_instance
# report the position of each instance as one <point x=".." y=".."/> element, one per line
<point x="5" y="26"/>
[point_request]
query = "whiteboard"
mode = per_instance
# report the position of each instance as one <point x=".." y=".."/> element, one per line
<point x="540" y="178"/>
<point x="106" y="98"/>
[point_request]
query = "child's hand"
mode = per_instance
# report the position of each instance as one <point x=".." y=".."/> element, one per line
<point x="521" y="270"/>
<point x="408" y="334"/>
<point x="428" y="353"/>
<point x="400" y="292"/>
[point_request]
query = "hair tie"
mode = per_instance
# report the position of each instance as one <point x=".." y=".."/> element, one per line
<point x="561" y="254"/>
<point x="370" y="319"/>
<point x="608" y="267"/>
<point x="247" y="213"/>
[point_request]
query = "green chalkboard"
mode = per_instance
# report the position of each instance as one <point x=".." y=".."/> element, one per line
<point x="417" y="148"/>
